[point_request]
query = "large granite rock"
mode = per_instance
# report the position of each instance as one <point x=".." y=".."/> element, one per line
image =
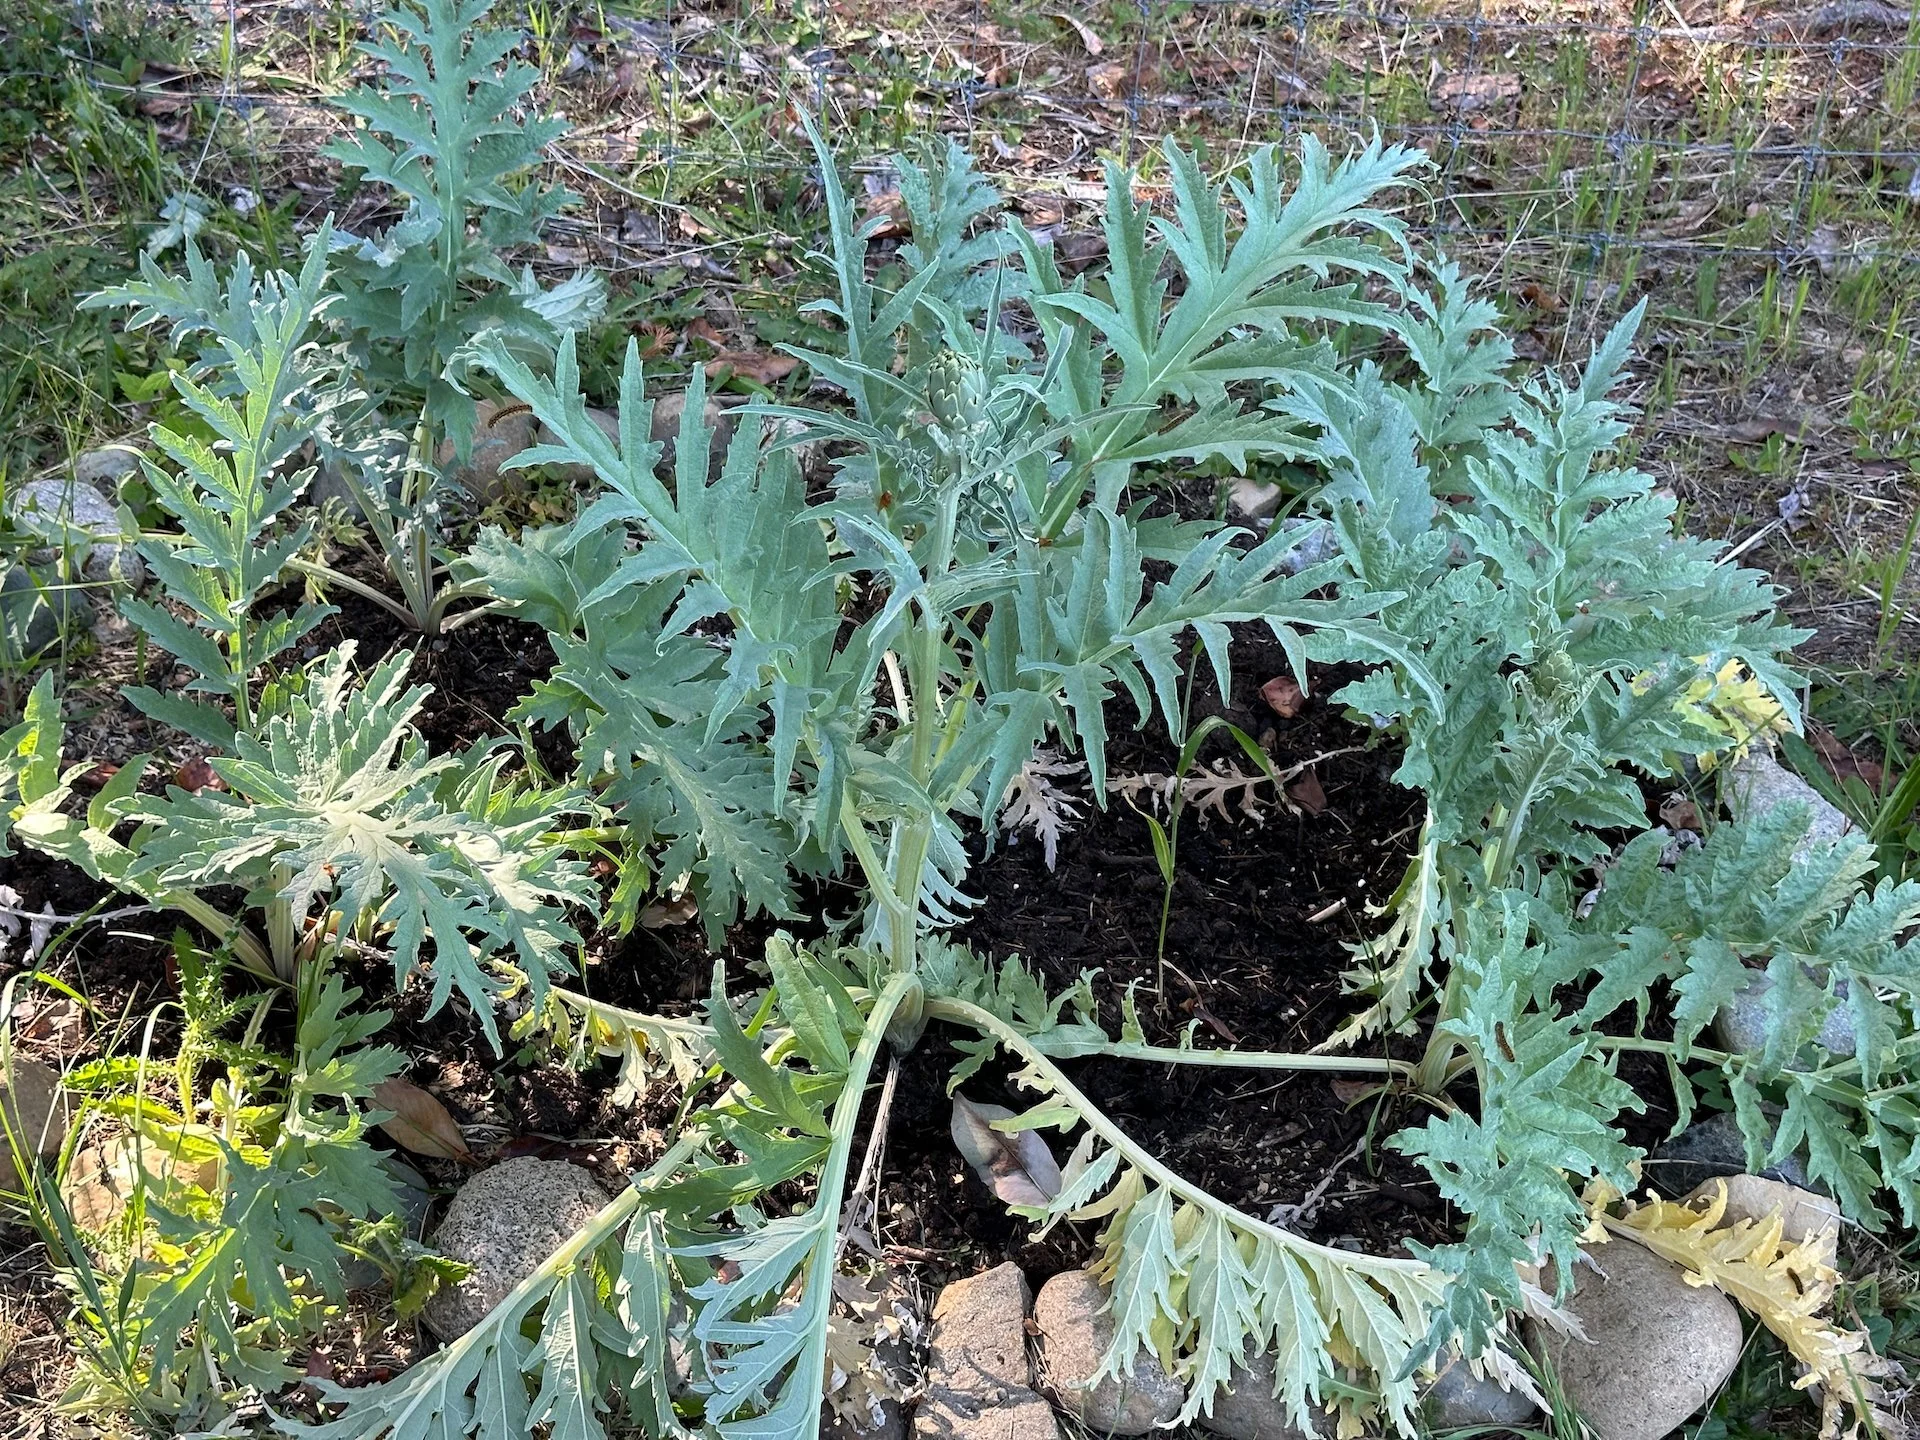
<point x="1657" y="1348"/>
<point x="1075" y="1330"/>
<point x="504" y="1222"/>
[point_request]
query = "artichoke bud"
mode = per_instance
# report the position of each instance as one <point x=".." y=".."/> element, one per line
<point x="1555" y="673"/>
<point x="956" y="392"/>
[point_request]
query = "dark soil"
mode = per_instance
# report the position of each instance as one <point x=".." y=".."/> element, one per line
<point x="1247" y="966"/>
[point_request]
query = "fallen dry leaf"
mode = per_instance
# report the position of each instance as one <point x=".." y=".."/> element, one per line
<point x="97" y="776"/>
<point x="1284" y="695"/>
<point x="1110" y="80"/>
<point x="1841" y="761"/>
<point x="702" y="329"/>
<point x="1679" y="812"/>
<point x="1467" y="93"/>
<point x="1539" y="297"/>
<point x="1020" y="1169"/>
<point x="1092" y="41"/>
<point x="1307" y="794"/>
<point x="665" y="913"/>
<point x="419" y="1122"/>
<point x="1760" y="428"/>
<point x="763" y="367"/>
<point x="1349" y="1092"/>
<point x="196" y="775"/>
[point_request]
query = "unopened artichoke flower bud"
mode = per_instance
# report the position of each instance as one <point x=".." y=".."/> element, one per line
<point x="956" y="392"/>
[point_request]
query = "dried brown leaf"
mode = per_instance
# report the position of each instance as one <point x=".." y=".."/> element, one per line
<point x="197" y="774"/>
<point x="1307" y="794"/>
<point x="1284" y="695"/>
<point x="419" y="1122"/>
<point x="1467" y="93"/>
<point x="1020" y="1169"/>
<point x="763" y="367"/>
<point x="1110" y="80"/>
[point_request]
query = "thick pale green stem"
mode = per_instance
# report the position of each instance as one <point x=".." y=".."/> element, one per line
<point x="900" y="990"/>
<point x="960" y="1012"/>
<point x="1235" y="1059"/>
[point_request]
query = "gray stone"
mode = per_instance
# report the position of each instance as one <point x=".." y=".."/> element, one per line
<point x="1740" y="1025"/>
<point x="1249" y="1410"/>
<point x="36" y="1113"/>
<point x="70" y="515"/>
<point x="1458" y="1398"/>
<point x="574" y="474"/>
<point x="504" y="1222"/>
<point x="667" y="413"/>
<point x="35" y="607"/>
<point x="1075" y="1328"/>
<point x="1016" y="1415"/>
<point x="415" y="1202"/>
<point x="1254" y="500"/>
<point x="980" y="1331"/>
<point x="106" y="467"/>
<point x="978" y="1382"/>
<point x="1313" y="544"/>
<point x="1803" y="1214"/>
<point x="1657" y="1348"/>
<point x="501" y="430"/>
<point x="1757" y="784"/>
<point x="1711" y="1147"/>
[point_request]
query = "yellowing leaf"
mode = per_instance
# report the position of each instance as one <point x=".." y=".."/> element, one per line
<point x="419" y="1122"/>
<point x="1785" y="1287"/>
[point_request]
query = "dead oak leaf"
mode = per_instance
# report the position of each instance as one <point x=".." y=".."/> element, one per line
<point x="1306" y="792"/>
<point x="1110" y="80"/>
<point x="762" y="367"/>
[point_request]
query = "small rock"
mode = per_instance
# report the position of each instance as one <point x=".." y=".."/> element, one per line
<point x="1740" y="1025"/>
<point x="980" y="1331"/>
<point x="1659" y="1348"/>
<point x="1254" y="500"/>
<point x="71" y="515"/>
<point x="361" y="1273"/>
<point x="504" y="1222"/>
<point x="1076" y="1328"/>
<point x="977" y="1373"/>
<point x="1708" y="1148"/>
<point x="106" y="467"/>
<point x="1249" y="1410"/>
<point x="501" y="430"/>
<point x="1757" y="783"/>
<point x="1458" y="1398"/>
<point x="36" y="1112"/>
<point x="1017" y="1415"/>
<point x="34" y="609"/>
<point x="576" y="474"/>
<point x="1803" y="1214"/>
<point x="1313" y="543"/>
<point x="667" y="412"/>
